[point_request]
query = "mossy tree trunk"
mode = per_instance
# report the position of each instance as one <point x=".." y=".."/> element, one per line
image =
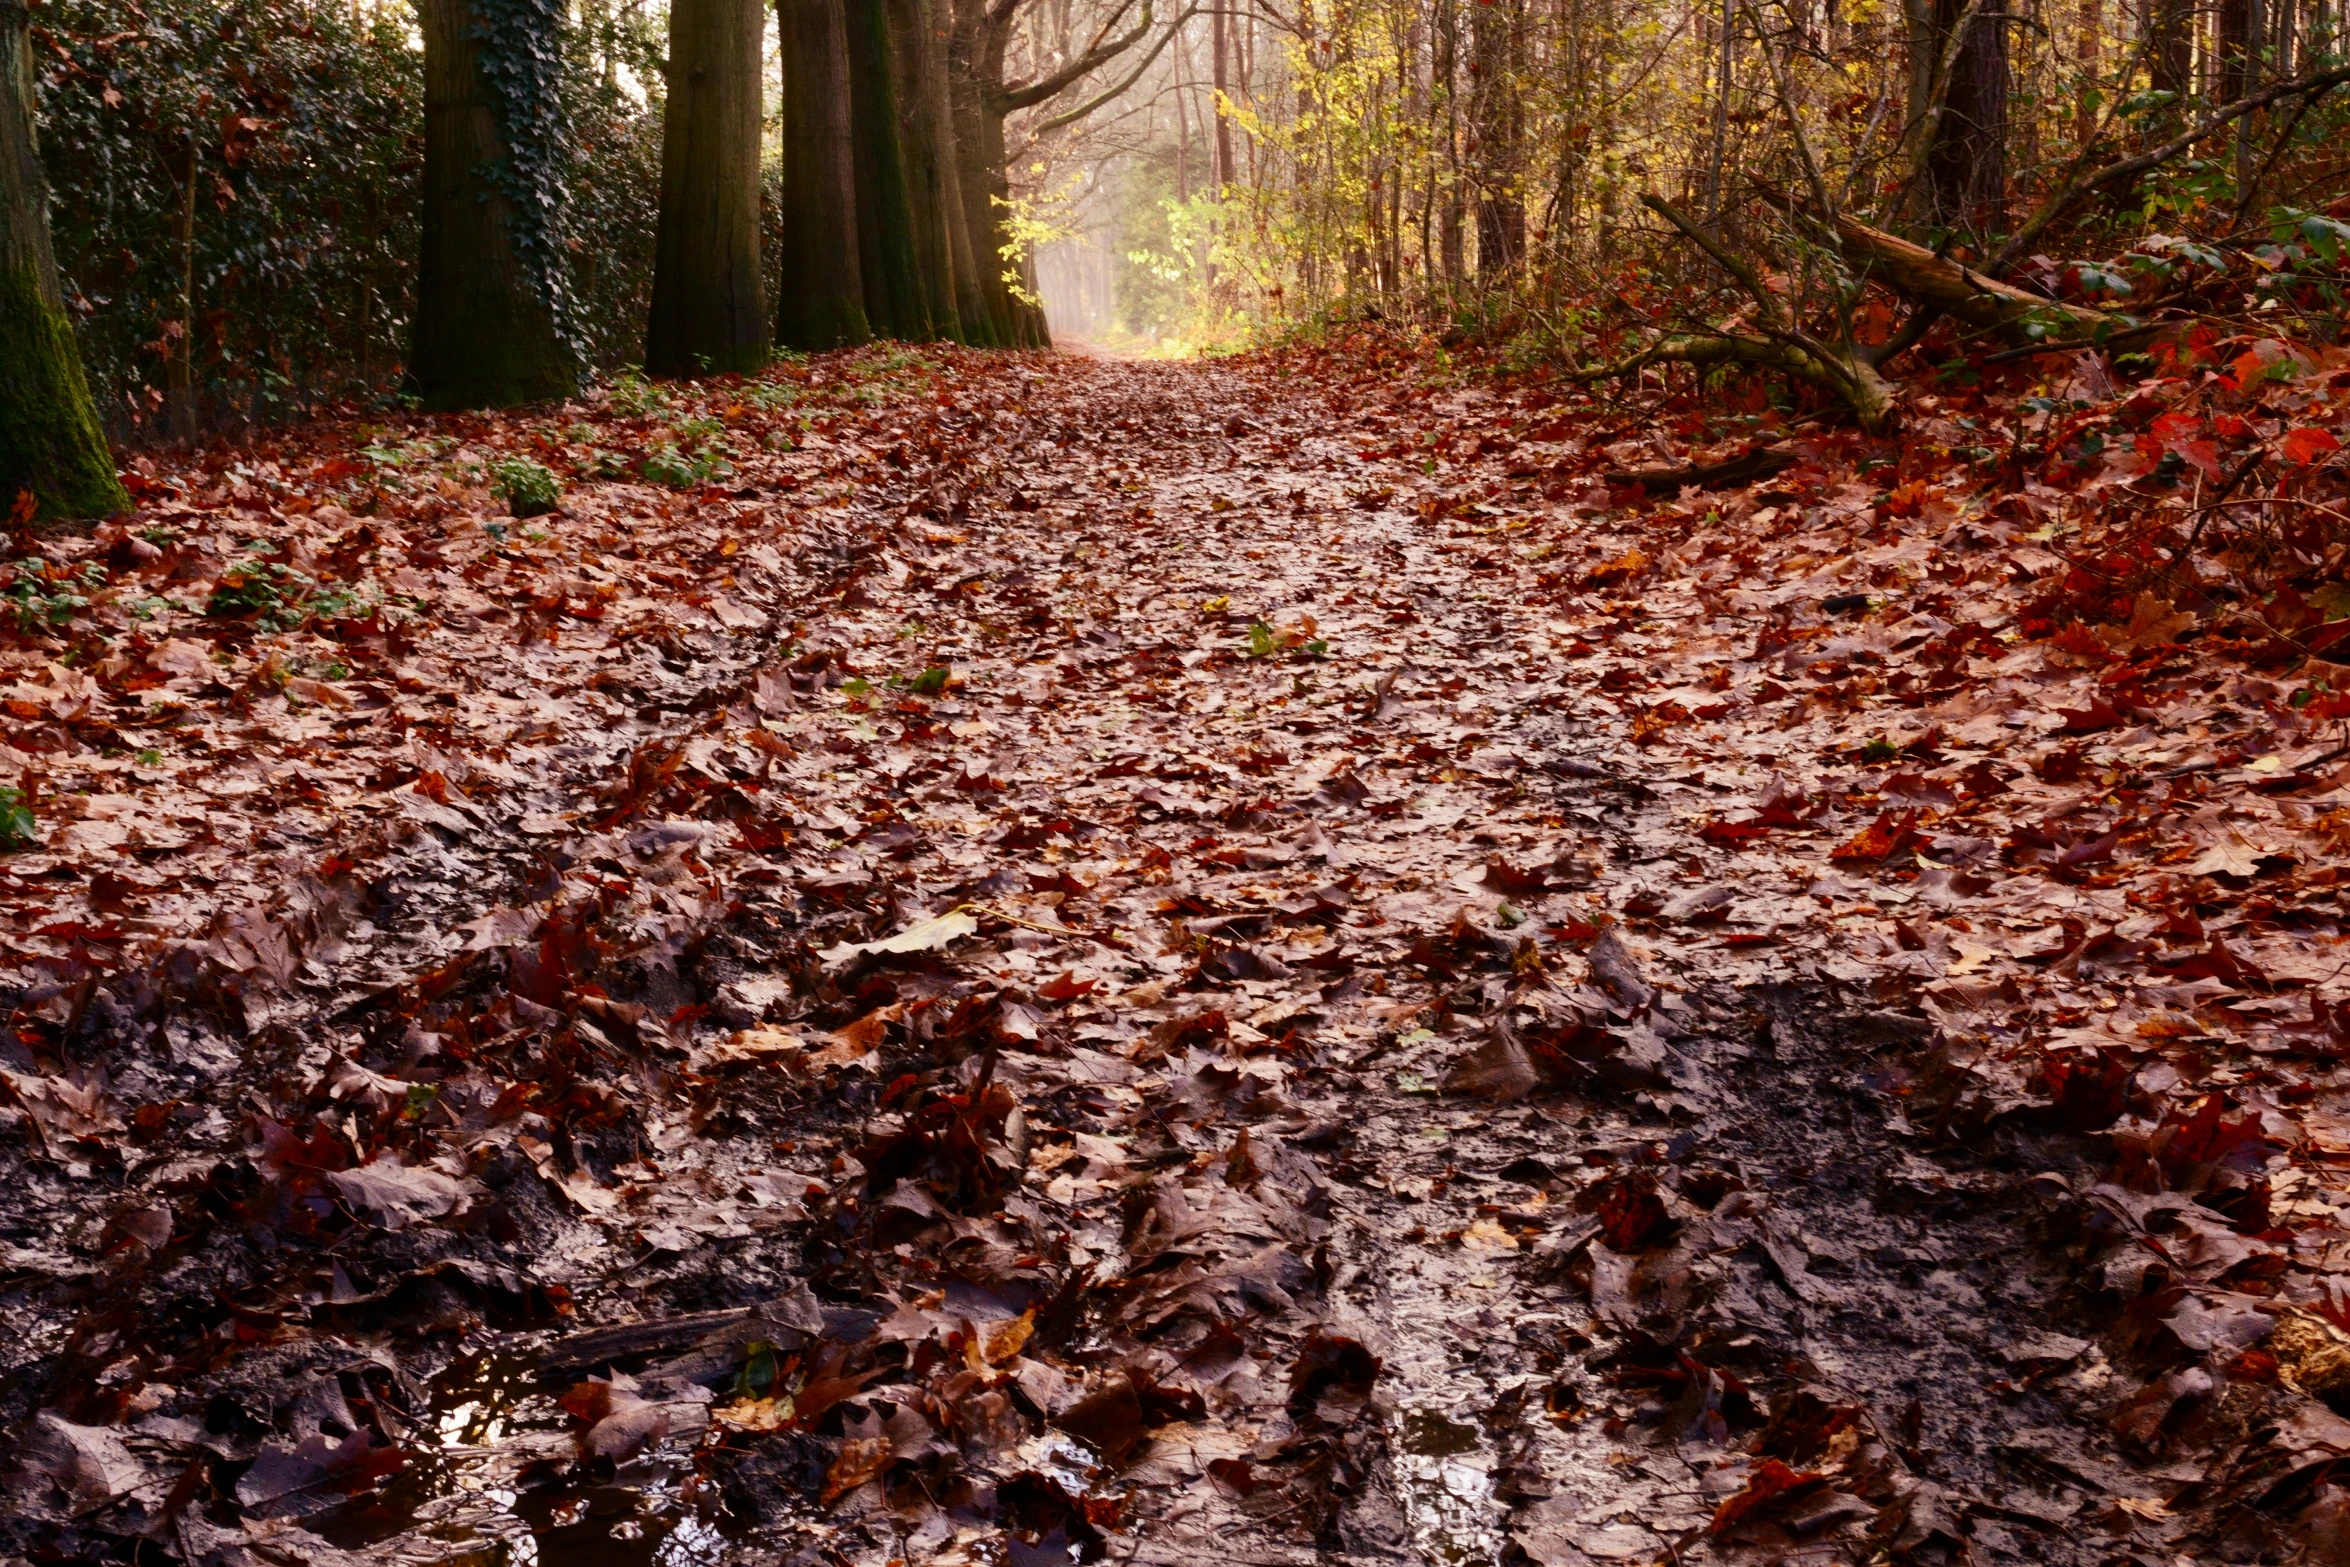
<point x="50" y="440"/>
<point x="895" y="303"/>
<point x="489" y="308"/>
<point x="820" y="300"/>
<point x="988" y="311"/>
<point x="709" y="313"/>
<point x="927" y="132"/>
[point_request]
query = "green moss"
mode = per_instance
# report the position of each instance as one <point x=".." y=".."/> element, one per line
<point x="835" y="323"/>
<point x="50" y="442"/>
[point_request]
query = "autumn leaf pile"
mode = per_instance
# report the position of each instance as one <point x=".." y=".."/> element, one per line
<point x="927" y="951"/>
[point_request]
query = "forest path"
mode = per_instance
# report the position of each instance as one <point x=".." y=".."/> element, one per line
<point x="1229" y="960"/>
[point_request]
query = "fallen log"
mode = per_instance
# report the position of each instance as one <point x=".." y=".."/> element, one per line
<point x="1958" y="290"/>
<point x="1779" y="343"/>
<point x="1868" y="395"/>
<point x="1756" y="462"/>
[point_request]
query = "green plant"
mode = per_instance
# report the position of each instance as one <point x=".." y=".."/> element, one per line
<point x="279" y="597"/>
<point x="667" y="465"/>
<point x="17" y="827"/>
<point x="930" y="682"/>
<point x="528" y="488"/>
<point x="40" y="595"/>
<point x="635" y="396"/>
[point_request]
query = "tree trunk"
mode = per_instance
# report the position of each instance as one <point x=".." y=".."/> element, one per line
<point x="490" y="317"/>
<point x="894" y="303"/>
<point x="179" y="366"/>
<point x="2232" y="50"/>
<point x="1966" y="161"/>
<point x="927" y="135"/>
<point x="971" y="308"/>
<point x="987" y="315"/>
<point x="709" y="312"/>
<point x="975" y="64"/>
<point x="50" y="442"/>
<point x="1499" y="121"/>
<point x="1447" y="72"/>
<point x="2170" y="52"/>
<point x="820" y="301"/>
<point x="1220" y="71"/>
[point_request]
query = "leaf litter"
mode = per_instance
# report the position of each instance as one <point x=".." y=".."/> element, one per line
<point x="1040" y="969"/>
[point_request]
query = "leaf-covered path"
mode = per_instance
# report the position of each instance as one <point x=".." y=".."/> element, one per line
<point x="1050" y="959"/>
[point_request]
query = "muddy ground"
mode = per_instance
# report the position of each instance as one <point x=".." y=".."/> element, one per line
<point x="1246" y="1062"/>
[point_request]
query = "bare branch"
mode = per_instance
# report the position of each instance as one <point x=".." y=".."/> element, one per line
<point x="2080" y="187"/>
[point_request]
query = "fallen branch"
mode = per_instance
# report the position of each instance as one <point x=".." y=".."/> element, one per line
<point x="2080" y="186"/>
<point x="1784" y="346"/>
<point x="1862" y="389"/>
<point x="1964" y="293"/>
<point x="1756" y="462"/>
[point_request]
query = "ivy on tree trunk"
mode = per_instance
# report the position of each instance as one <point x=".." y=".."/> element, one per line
<point x="492" y="317"/>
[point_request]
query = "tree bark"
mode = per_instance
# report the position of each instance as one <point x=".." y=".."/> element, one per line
<point x="1961" y="292"/>
<point x="886" y="249"/>
<point x="1221" y="72"/>
<point x="1498" y="117"/>
<point x="488" y="331"/>
<point x="50" y="441"/>
<point x="927" y="134"/>
<point x="1447" y="75"/>
<point x="709" y="313"/>
<point x="975" y="61"/>
<point x="2170" y="51"/>
<point x="2232" y="49"/>
<point x="820" y="301"/>
<point x="1966" y="161"/>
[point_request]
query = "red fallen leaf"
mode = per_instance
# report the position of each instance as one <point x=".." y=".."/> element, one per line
<point x="2099" y="714"/>
<point x="1784" y="805"/>
<point x="1632" y="1214"/>
<point x="2091" y="1088"/>
<point x="1512" y="882"/>
<point x="1729" y="835"/>
<point x="1234" y="1473"/>
<point x="1768" y="1482"/>
<point x="2206" y="1136"/>
<point x="1068" y="987"/>
<point x="2092" y="852"/>
<point x="1749" y="938"/>
<point x="2216" y="962"/>
<point x="1881" y="839"/>
<point x="1982" y="781"/>
<point x="2306" y="445"/>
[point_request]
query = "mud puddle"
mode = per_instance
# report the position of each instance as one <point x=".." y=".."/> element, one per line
<point x="491" y="1484"/>
<point x="1803" y="1282"/>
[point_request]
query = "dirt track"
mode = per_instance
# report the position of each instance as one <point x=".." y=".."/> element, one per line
<point x="1326" y="1104"/>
